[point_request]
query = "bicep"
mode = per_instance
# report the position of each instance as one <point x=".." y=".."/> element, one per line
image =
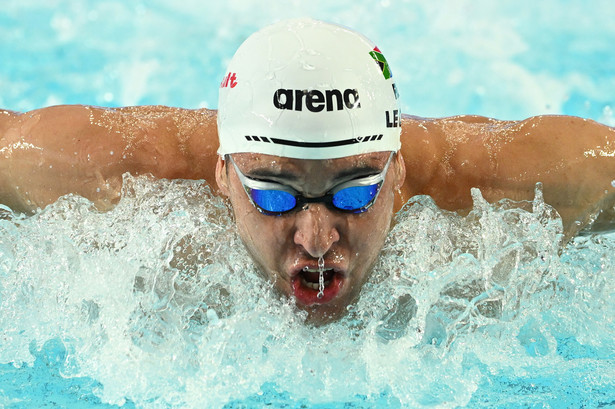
<point x="45" y="157"/>
<point x="573" y="158"/>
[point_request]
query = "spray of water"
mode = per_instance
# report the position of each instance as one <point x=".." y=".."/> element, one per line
<point x="158" y="302"/>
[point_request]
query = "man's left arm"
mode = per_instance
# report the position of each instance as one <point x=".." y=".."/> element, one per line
<point x="573" y="158"/>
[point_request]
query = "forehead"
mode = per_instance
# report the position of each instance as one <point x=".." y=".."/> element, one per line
<point x="256" y="164"/>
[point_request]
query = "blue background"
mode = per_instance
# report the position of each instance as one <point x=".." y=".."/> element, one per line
<point x="506" y="59"/>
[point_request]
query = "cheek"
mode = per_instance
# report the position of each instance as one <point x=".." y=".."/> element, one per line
<point x="369" y="232"/>
<point x="254" y="231"/>
<point x="262" y="235"/>
<point x="367" y="238"/>
<point x="246" y="220"/>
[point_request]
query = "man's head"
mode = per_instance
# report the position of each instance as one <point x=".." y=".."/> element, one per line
<point x="309" y="128"/>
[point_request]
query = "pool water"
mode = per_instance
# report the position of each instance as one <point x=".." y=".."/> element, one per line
<point x="156" y="304"/>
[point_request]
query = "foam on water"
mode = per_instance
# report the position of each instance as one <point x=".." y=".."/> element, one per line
<point x="156" y="303"/>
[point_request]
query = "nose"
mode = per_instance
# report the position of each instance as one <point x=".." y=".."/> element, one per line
<point x="316" y="230"/>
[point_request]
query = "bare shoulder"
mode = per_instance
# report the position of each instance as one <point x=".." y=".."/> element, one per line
<point x="7" y="118"/>
<point x="165" y="141"/>
<point x="550" y="122"/>
<point x="168" y="142"/>
<point x="494" y="137"/>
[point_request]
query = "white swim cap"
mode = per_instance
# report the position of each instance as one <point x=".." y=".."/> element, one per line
<point x="309" y="90"/>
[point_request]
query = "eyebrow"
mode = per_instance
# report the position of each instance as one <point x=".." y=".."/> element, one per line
<point x="291" y="177"/>
<point x="268" y="173"/>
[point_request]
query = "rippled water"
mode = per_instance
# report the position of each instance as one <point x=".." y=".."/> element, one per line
<point x="508" y="59"/>
<point x="156" y="304"/>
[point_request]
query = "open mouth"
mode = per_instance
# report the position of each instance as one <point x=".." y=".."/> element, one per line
<point x="307" y="286"/>
<point x="312" y="278"/>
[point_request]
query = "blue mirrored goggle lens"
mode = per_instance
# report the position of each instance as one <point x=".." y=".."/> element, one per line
<point x="355" y="197"/>
<point x="274" y="201"/>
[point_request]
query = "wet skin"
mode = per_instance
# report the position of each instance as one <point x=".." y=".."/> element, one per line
<point x="283" y="247"/>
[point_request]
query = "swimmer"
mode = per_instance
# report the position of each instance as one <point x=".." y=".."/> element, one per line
<point x="311" y="150"/>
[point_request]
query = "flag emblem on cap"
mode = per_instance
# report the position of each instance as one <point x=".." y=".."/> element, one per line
<point x="382" y="62"/>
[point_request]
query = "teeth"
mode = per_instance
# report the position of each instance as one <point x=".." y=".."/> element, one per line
<point x="313" y="286"/>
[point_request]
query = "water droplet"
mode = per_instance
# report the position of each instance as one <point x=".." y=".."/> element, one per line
<point x="321" y="277"/>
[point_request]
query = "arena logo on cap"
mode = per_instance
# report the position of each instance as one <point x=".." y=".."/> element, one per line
<point x="382" y="62"/>
<point x="315" y="100"/>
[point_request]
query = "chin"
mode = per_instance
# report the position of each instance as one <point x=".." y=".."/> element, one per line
<point x="321" y="315"/>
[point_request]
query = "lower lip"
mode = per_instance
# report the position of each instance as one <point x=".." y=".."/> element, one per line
<point x="308" y="296"/>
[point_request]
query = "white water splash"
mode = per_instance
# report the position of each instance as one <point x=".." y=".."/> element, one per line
<point x="158" y="301"/>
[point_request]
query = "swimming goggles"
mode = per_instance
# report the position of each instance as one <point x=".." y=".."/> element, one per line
<point x="274" y="199"/>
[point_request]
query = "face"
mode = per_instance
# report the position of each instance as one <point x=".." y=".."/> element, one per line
<point x="287" y="248"/>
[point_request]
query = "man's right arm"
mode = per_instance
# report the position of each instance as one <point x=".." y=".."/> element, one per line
<point x="53" y="151"/>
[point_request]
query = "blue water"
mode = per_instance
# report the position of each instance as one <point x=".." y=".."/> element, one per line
<point x="505" y="59"/>
<point x="156" y="305"/>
